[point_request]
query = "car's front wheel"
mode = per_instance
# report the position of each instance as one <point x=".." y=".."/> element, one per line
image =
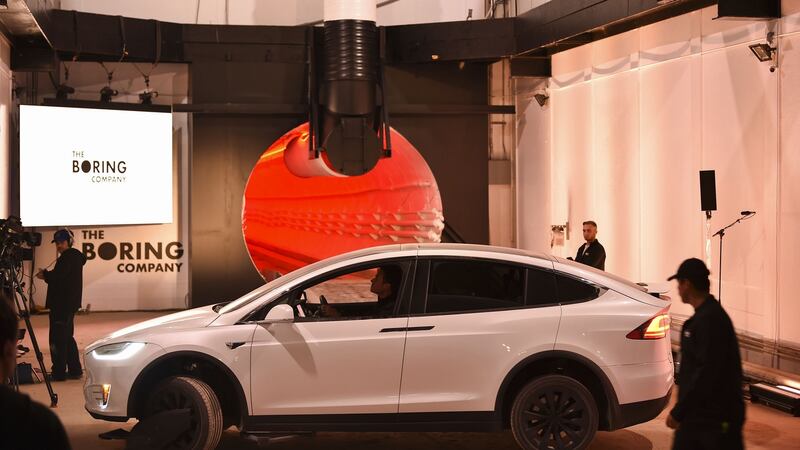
<point x="554" y="412"/>
<point x="205" y="413"/>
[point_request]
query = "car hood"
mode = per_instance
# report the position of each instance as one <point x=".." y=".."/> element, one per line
<point x="192" y="318"/>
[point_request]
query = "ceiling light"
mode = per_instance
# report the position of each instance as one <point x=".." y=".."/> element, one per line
<point x="107" y="93"/>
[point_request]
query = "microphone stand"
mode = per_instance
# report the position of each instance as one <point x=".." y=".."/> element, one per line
<point x="721" y="234"/>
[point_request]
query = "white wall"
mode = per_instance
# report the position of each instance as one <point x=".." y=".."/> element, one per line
<point x="272" y="12"/>
<point x="525" y="5"/>
<point x="788" y="308"/>
<point x="636" y="116"/>
<point x="427" y="11"/>
<point x="533" y="183"/>
<point x="171" y="81"/>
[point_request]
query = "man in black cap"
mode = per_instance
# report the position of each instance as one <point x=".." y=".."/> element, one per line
<point x="24" y="424"/>
<point x="64" y="294"/>
<point x="709" y="413"/>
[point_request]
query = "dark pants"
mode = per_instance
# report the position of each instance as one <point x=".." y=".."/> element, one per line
<point x="708" y="438"/>
<point x="63" y="348"/>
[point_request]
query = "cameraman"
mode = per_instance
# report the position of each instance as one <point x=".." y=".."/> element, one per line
<point x="64" y="292"/>
<point x="24" y="424"/>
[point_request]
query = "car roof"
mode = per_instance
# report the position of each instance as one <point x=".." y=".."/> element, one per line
<point x="444" y="248"/>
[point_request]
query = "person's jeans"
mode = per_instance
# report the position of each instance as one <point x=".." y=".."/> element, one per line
<point x="63" y="348"/>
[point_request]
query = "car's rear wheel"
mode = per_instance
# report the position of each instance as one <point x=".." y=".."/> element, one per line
<point x="205" y="413"/>
<point x="554" y="412"/>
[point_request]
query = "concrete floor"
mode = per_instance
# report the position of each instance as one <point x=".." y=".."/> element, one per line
<point x="765" y="428"/>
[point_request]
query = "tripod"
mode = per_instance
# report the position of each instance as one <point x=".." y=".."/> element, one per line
<point x="22" y="307"/>
<point x="721" y="233"/>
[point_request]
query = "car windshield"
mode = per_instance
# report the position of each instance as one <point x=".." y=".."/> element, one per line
<point x="258" y="292"/>
<point x="610" y="275"/>
<point x="280" y="281"/>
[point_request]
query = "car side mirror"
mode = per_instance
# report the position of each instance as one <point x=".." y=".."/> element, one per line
<point x="280" y="313"/>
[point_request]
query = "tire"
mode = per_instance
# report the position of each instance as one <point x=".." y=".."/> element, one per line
<point x="554" y="412"/>
<point x="206" y="414"/>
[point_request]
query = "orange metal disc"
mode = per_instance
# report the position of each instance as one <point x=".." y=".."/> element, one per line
<point x="290" y="221"/>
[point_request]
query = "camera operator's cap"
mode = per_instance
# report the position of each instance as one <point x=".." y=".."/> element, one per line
<point x="691" y="269"/>
<point x="61" y="236"/>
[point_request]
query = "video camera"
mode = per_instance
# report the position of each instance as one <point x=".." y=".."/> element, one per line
<point x="16" y="244"/>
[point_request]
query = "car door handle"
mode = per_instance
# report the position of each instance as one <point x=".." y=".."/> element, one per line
<point x="395" y="330"/>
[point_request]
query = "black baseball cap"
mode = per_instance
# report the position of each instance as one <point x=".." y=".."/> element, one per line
<point x="691" y="269"/>
<point x="61" y="236"/>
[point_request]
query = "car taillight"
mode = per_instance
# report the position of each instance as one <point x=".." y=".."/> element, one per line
<point x="655" y="328"/>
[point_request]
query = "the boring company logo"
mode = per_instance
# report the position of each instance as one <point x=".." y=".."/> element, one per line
<point x="133" y="256"/>
<point x="99" y="171"/>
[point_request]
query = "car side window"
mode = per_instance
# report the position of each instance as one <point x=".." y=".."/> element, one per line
<point x="541" y="288"/>
<point x="572" y="290"/>
<point x="362" y="293"/>
<point x="474" y="285"/>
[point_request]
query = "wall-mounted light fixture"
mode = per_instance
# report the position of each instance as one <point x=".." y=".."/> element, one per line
<point x="541" y="97"/>
<point x="766" y="51"/>
<point x="559" y="234"/>
<point x="762" y="51"/>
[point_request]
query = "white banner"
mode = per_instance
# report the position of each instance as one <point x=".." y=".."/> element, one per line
<point x="127" y="268"/>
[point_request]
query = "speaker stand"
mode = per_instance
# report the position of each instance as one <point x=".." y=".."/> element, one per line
<point x="721" y="234"/>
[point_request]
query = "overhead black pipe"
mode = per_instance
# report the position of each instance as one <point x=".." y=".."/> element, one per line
<point x="348" y="122"/>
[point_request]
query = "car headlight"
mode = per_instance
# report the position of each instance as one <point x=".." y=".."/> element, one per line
<point x="118" y="351"/>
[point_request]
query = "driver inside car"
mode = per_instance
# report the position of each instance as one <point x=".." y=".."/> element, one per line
<point x="384" y="284"/>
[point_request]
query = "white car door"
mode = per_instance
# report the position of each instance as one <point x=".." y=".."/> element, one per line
<point x="470" y="324"/>
<point x="348" y="361"/>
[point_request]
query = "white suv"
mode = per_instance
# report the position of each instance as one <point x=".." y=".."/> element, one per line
<point x="438" y="337"/>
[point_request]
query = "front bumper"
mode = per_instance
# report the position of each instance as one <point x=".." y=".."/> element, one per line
<point x="120" y="376"/>
<point x="107" y="418"/>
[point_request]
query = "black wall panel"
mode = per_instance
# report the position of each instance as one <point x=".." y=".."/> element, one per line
<point x="224" y="151"/>
<point x="225" y="148"/>
<point x="455" y="146"/>
<point x="456" y="151"/>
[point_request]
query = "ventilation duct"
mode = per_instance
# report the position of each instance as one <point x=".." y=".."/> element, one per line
<point x="348" y="125"/>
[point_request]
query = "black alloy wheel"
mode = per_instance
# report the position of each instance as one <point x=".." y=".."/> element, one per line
<point x="205" y="422"/>
<point x="554" y="412"/>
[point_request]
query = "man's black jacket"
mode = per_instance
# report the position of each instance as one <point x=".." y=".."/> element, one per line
<point x="594" y="256"/>
<point x="25" y="424"/>
<point x="65" y="282"/>
<point x="710" y="378"/>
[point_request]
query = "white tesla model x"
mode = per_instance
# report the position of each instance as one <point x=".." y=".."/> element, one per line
<point x="440" y="337"/>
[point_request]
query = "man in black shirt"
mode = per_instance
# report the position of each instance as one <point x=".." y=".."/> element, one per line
<point x="24" y="424"/>
<point x="385" y="284"/>
<point x="709" y="413"/>
<point x="592" y="252"/>
<point x="64" y="292"/>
